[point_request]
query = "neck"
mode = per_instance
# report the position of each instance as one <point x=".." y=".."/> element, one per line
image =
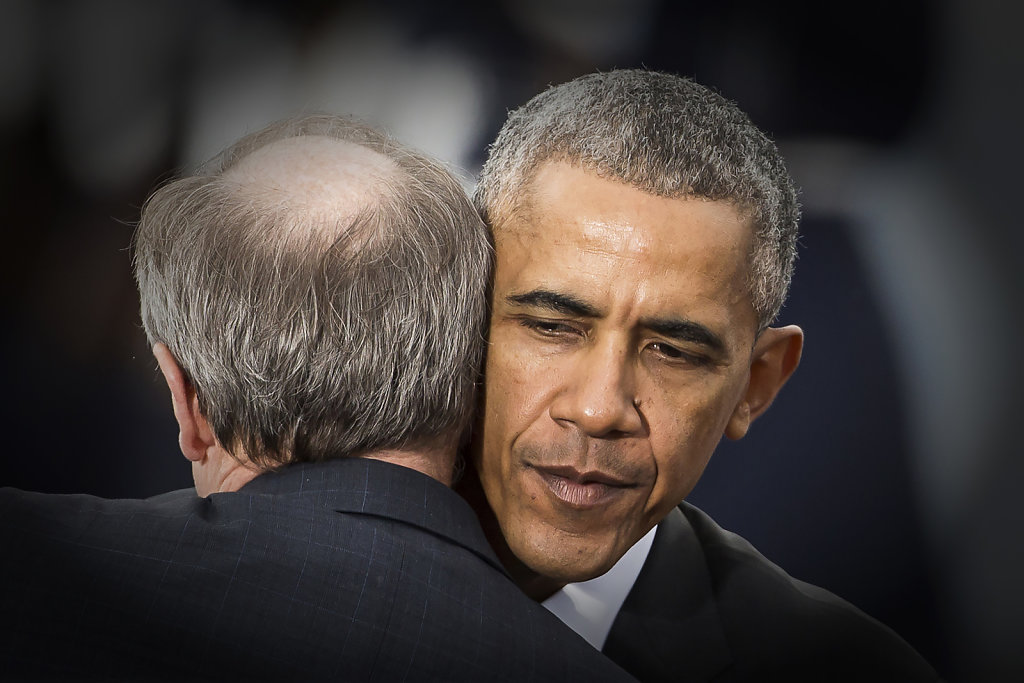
<point x="437" y="462"/>
<point x="536" y="586"/>
<point x="219" y="472"/>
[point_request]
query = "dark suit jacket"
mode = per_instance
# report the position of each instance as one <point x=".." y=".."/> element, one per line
<point x="353" y="569"/>
<point x="708" y="607"/>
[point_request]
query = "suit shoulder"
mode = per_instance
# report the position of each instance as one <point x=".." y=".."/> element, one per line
<point x="40" y="510"/>
<point x="790" y="625"/>
<point x="46" y="533"/>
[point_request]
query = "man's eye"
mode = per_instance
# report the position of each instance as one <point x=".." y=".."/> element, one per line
<point x="666" y="350"/>
<point x="672" y="353"/>
<point x="547" y="327"/>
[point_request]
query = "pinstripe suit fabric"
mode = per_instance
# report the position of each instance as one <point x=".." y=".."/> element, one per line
<point x="354" y="569"/>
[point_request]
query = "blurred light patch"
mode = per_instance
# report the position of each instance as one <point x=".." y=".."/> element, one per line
<point x="594" y="31"/>
<point x="427" y="94"/>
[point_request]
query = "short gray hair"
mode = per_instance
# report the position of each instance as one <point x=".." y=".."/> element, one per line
<point x="304" y="349"/>
<point x="664" y="135"/>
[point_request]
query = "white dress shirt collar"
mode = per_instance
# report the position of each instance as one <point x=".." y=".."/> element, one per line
<point x="590" y="607"/>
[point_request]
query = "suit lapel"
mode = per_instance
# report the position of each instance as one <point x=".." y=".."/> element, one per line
<point x="669" y="628"/>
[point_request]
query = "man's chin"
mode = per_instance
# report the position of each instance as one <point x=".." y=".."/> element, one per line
<point x="568" y="563"/>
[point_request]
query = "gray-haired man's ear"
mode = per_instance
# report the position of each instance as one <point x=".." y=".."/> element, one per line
<point x="195" y="437"/>
<point x="775" y="357"/>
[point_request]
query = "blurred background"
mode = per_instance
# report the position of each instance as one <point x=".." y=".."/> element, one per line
<point x="889" y="470"/>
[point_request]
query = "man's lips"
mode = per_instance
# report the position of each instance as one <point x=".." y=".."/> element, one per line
<point x="581" y="489"/>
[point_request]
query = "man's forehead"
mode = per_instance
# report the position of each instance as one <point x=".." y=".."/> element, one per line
<point x="589" y="237"/>
<point x="606" y="213"/>
<point x="531" y="202"/>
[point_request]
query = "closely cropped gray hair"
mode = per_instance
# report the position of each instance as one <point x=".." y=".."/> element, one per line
<point x="304" y="348"/>
<point x="664" y="135"/>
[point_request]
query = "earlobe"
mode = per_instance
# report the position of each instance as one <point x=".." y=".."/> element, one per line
<point x="776" y="355"/>
<point x="195" y="435"/>
<point x="739" y="422"/>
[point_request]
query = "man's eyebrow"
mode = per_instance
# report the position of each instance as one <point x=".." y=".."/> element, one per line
<point x="686" y="330"/>
<point x="565" y="304"/>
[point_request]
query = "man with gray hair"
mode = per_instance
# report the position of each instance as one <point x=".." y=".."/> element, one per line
<point x="645" y="232"/>
<point x="315" y="301"/>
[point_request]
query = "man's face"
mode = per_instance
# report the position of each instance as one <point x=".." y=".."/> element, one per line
<point x="620" y="351"/>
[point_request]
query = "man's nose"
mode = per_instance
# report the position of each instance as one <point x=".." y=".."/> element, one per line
<point x="600" y="394"/>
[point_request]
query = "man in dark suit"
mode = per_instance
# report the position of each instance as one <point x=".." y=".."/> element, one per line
<point x="315" y="301"/>
<point x="645" y="233"/>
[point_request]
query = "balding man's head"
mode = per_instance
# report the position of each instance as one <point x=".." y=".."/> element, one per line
<point x="321" y="180"/>
<point x="323" y="290"/>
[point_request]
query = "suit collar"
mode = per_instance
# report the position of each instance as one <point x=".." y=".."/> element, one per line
<point x="374" y="487"/>
<point x="669" y="627"/>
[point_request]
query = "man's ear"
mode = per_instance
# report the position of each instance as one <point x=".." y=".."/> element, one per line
<point x="776" y="355"/>
<point x="195" y="435"/>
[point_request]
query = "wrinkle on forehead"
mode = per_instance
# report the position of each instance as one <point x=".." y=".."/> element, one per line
<point x="616" y="227"/>
<point x="618" y="239"/>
